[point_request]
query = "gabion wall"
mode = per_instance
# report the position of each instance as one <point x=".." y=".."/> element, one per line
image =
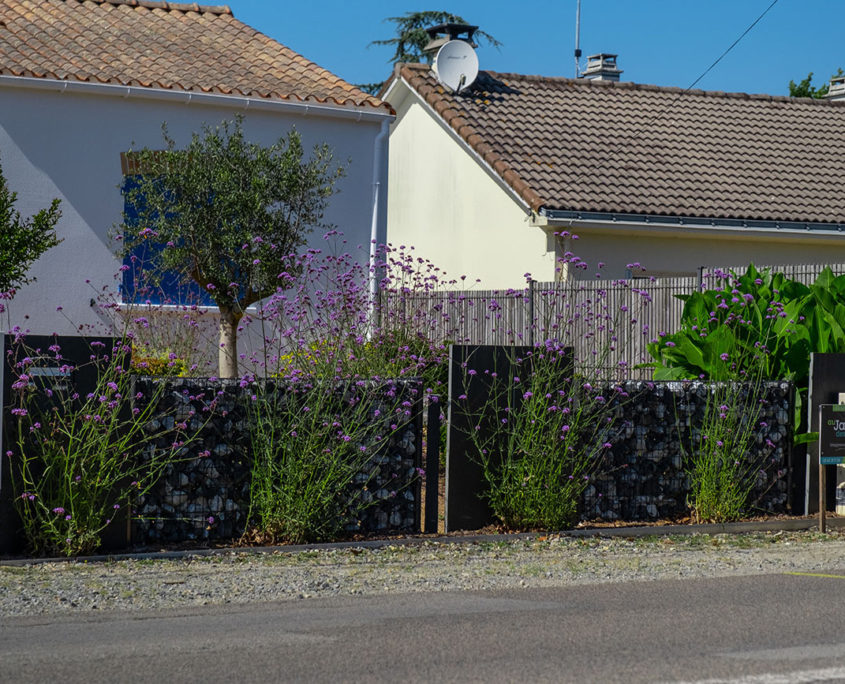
<point x="205" y="495"/>
<point x="660" y="421"/>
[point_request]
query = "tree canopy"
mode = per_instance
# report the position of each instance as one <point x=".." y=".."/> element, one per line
<point x="22" y="240"/>
<point x="227" y="214"/>
<point x="411" y="36"/>
<point x="805" y="88"/>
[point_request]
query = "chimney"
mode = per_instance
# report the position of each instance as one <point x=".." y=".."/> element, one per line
<point x="837" y="88"/>
<point x="601" y="67"/>
<point x="437" y="39"/>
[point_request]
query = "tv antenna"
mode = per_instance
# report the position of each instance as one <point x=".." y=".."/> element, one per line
<point x="577" y="38"/>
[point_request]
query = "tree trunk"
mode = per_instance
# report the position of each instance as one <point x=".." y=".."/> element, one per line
<point x="228" y="353"/>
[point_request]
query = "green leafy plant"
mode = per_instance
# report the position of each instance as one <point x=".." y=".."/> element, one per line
<point x="804" y="87"/>
<point x="165" y="365"/>
<point x="540" y="436"/>
<point x="724" y="462"/>
<point x="756" y="326"/>
<point x="411" y="35"/>
<point x="22" y="241"/>
<point x="227" y="214"/>
<point x="755" y="317"/>
<point x="319" y="451"/>
<point x="76" y="461"/>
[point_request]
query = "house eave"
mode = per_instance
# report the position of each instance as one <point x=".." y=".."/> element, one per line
<point x="358" y="113"/>
<point x="552" y="218"/>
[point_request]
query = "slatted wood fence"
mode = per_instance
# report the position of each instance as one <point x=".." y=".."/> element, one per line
<point x="607" y="322"/>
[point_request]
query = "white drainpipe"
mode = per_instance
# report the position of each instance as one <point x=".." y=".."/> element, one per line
<point x="377" y="164"/>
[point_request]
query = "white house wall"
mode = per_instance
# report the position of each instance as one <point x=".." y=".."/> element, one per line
<point x="68" y="146"/>
<point x="447" y="206"/>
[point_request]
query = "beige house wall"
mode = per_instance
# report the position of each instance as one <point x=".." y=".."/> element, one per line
<point x="681" y="251"/>
<point x="448" y="206"/>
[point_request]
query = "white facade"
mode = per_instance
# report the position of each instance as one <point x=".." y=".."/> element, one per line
<point x="64" y="140"/>
<point x="453" y="209"/>
<point x="459" y="213"/>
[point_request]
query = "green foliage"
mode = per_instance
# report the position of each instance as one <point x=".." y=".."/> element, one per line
<point x="722" y="464"/>
<point x="411" y="36"/>
<point x="757" y="318"/>
<point x="370" y="88"/>
<point x="22" y="241"/>
<point x="756" y="326"/>
<point x="228" y="214"/>
<point x="386" y="354"/>
<point x="805" y="88"/>
<point x="539" y="438"/>
<point x="317" y="452"/>
<point x="165" y="365"/>
<point x="77" y="462"/>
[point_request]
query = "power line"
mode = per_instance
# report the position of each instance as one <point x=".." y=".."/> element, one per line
<point x="660" y="114"/>
<point x="733" y="45"/>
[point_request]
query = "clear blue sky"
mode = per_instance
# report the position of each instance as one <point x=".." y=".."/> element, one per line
<point x="664" y="42"/>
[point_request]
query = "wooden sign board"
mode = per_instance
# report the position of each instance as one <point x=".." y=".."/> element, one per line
<point x="831" y="434"/>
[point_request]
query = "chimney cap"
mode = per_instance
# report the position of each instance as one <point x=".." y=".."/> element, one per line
<point x="452" y="31"/>
<point x="602" y="67"/>
<point x="836" y="90"/>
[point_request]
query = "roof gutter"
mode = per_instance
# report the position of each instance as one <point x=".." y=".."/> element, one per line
<point x="553" y="216"/>
<point x="378" y="156"/>
<point x="190" y="97"/>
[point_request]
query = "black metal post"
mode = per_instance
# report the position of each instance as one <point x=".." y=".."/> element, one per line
<point x="432" y="467"/>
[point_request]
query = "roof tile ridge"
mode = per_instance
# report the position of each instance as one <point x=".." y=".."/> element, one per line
<point x="527" y="77"/>
<point x="698" y="92"/>
<point x="170" y="6"/>
<point x="414" y="66"/>
<point x="650" y="87"/>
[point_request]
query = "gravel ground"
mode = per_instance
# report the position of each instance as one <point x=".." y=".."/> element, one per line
<point x="243" y="576"/>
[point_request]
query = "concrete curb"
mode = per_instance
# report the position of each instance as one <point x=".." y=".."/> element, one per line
<point x="623" y="532"/>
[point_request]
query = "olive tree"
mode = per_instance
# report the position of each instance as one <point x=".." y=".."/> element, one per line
<point x="227" y="214"/>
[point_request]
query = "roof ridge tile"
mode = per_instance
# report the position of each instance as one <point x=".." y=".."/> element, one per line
<point x="169" y="6"/>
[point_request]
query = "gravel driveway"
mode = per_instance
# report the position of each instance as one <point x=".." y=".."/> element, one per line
<point x="244" y="576"/>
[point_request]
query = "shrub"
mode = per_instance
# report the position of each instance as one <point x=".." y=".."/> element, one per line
<point x="76" y="459"/>
<point x="319" y="452"/>
<point x="754" y="327"/>
<point x="540" y="436"/>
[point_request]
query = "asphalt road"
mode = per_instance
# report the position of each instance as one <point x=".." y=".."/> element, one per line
<point x="755" y="630"/>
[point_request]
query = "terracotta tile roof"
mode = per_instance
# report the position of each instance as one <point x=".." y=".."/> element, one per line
<point x="586" y="146"/>
<point x="180" y="46"/>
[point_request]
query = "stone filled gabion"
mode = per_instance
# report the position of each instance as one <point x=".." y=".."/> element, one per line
<point x="205" y="494"/>
<point x="655" y="425"/>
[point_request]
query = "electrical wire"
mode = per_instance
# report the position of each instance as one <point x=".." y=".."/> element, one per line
<point x="660" y="114"/>
<point x="733" y="45"/>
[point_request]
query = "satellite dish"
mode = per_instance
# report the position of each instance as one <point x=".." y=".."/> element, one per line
<point x="456" y="65"/>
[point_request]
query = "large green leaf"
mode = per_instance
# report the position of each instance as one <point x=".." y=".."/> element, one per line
<point x="672" y="373"/>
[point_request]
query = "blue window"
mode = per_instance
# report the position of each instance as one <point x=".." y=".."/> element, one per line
<point x="137" y="287"/>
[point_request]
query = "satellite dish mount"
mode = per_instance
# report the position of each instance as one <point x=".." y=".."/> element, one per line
<point x="454" y="61"/>
<point x="456" y="65"/>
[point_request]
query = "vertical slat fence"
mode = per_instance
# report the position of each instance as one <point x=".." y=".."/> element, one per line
<point x="609" y="323"/>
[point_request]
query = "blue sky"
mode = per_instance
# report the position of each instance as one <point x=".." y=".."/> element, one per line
<point x="664" y="42"/>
